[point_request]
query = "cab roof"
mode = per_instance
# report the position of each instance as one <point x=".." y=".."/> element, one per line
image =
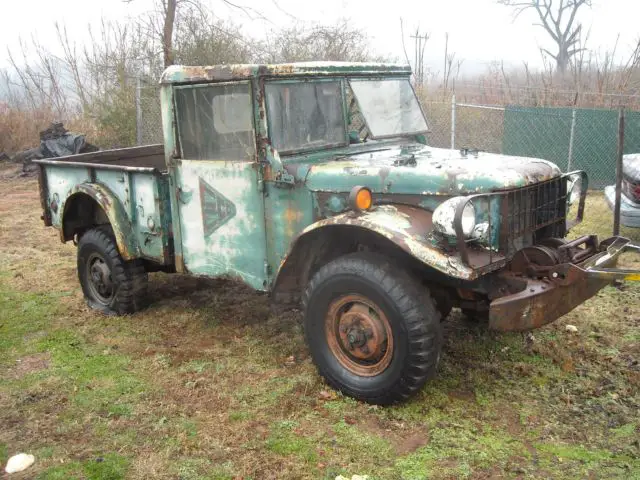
<point x="192" y="74"/>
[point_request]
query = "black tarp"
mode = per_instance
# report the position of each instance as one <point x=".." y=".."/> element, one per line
<point x="55" y="141"/>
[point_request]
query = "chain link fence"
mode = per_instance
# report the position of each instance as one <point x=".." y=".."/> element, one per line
<point x="573" y="138"/>
<point x="148" y="114"/>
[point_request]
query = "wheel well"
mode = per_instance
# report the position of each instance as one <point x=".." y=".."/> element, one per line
<point x="318" y="247"/>
<point x="81" y="212"/>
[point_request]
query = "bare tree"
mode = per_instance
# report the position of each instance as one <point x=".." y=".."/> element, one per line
<point x="169" y="7"/>
<point x="558" y="18"/>
<point x="338" y="42"/>
<point x="201" y="39"/>
<point x="163" y="22"/>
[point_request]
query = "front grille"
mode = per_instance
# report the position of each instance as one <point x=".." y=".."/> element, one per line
<point x="533" y="212"/>
<point x="520" y="218"/>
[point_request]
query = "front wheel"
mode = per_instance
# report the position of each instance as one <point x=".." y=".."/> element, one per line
<point x="109" y="283"/>
<point x="374" y="333"/>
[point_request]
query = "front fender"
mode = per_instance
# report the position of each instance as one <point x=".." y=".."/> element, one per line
<point x="404" y="226"/>
<point x="114" y="211"/>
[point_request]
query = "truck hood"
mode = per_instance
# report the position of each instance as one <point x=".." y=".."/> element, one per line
<point x="422" y="170"/>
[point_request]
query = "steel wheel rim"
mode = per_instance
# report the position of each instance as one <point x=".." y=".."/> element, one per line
<point x="359" y="335"/>
<point x="99" y="279"/>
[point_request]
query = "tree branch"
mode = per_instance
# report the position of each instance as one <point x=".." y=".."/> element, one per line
<point x="558" y="19"/>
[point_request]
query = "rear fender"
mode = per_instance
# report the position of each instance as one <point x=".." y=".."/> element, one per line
<point x="112" y="209"/>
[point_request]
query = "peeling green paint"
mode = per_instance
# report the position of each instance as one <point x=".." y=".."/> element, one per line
<point x="435" y="172"/>
<point x="404" y="226"/>
<point x="120" y="221"/>
<point x="131" y="201"/>
<point x="188" y="74"/>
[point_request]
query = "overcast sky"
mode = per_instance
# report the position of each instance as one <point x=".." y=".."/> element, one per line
<point x="480" y="31"/>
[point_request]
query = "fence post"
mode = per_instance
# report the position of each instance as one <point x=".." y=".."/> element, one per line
<point x="453" y="121"/>
<point x="616" y="211"/>
<point x="571" y="138"/>
<point x="139" y="110"/>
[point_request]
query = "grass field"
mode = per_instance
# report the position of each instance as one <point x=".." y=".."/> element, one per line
<point x="209" y="383"/>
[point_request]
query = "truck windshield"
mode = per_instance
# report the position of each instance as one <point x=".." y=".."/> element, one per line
<point x="389" y="107"/>
<point x="305" y="115"/>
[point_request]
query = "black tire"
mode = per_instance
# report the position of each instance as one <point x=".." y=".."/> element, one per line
<point x="110" y="284"/>
<point x="412" y="319"/>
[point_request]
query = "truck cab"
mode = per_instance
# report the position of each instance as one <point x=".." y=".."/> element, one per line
<point x="315" y="182"/>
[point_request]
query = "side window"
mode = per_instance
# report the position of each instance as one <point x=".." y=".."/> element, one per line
<point x="214" y="122"/>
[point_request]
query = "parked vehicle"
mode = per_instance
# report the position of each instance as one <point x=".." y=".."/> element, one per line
<point x="315" y="182"/>
<point x="630" y="197"/>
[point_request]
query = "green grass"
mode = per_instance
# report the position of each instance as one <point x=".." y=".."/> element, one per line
<point x="201" y="386"/>
<point x="109" y="467"/>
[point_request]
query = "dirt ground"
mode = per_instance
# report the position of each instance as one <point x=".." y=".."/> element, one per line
<point x="209" y="383"/>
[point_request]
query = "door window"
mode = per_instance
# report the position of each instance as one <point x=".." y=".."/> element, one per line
<point x="215" y="122"/>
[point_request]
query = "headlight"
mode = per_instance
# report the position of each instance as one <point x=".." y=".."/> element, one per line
<point x="468" y="219"/>
<point x="574" y="189"/>
<point x="444" y="216"/>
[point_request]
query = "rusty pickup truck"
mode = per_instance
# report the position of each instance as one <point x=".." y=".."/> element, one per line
<point x="315" y="182"/>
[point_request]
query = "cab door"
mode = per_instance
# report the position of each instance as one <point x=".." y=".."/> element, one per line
<point x="220" y="204"/>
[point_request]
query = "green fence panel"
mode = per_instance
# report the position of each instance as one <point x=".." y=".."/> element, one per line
<point x="546" y="132"/>
<point x="595" y="145"/>
<point x="537" y="132"/>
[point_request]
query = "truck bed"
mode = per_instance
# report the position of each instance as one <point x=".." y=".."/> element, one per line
<point x="131" y="186"/>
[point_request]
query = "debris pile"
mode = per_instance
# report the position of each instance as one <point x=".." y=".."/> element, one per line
<point x="55" y="141"/>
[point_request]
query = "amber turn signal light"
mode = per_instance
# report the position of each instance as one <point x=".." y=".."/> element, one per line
<point x="360" y="199"/>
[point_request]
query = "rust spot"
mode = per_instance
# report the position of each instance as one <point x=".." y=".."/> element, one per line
<point x="292" y="216"/>
<point x="42" y="186"/>
<point x="540" y="303"/>
<point x="359" y="335"/>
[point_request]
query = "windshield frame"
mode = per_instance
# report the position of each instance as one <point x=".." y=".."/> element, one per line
<point x="315" y="146"/>
<point x="386" y="78"/>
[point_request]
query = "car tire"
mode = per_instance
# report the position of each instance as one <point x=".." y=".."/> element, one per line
<point x="109" y="283"/>
<point x="373" y="331"/>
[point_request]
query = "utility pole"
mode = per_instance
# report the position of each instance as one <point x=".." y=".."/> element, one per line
<point x="420" y="43"/>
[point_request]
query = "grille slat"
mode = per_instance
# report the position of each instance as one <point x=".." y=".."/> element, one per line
<point x="534" y="208"/>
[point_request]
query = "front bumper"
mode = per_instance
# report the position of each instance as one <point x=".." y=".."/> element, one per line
<point x="567" y="286"/>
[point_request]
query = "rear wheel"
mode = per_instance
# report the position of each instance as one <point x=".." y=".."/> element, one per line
<point x="109" y="283"/>
<point x="374" y="333"/>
